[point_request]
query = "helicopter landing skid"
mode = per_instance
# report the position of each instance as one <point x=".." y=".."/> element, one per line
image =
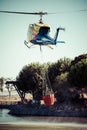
<point x="26" y="43"/>
<point x="50" y="47"/>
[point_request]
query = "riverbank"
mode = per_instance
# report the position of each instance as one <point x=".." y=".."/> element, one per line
<point x="42" y="110"/>
<point x="13" y="99"/>
<point x="44" y="126"/>
<point x="5" y="99"/>
<point x="8" y="102"/>
<point x="59" y="110"/>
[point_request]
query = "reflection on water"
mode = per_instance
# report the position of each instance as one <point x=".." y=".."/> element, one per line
<point x="6" y="118"/>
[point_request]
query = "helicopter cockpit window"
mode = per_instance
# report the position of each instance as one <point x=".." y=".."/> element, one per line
<point x="44" y="31"/>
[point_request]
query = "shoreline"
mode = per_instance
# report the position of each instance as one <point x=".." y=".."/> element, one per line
<point x="43" y="126"/>
<point x="60" y="110"/>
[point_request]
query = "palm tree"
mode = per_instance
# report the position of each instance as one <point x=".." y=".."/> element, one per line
<point x="1" y="84"/>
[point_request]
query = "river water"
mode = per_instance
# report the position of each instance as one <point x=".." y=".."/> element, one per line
<point x="6" y="118"/>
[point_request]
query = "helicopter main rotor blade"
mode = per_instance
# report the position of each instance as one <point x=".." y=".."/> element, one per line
<point x="42" y="13"/>
<point x="28" y="13"/>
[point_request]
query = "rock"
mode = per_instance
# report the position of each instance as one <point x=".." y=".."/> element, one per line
<point x="42" y="110"/>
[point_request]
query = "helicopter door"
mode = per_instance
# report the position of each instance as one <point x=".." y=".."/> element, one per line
<point x="37" y="28"/>
<point x="33" y="30"/>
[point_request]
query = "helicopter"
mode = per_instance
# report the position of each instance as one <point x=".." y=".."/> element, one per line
<point x="39" y="33"/>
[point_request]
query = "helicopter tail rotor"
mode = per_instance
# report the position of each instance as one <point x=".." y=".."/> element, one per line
<point x="60" y="28"/>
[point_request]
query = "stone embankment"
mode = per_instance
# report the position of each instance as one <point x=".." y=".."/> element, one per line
<point x="42" y="110"/>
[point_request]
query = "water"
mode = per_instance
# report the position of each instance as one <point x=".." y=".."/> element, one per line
<point x="6" y="118"/>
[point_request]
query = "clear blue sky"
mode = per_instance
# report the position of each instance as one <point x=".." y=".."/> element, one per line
<point x="13" y="30"/>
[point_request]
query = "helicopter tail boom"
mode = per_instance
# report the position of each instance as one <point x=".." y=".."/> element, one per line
<point x="56" y="35"/>
<point x="60" y="42"/>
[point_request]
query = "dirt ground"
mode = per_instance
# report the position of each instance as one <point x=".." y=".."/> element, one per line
<point x="5" y="99"/>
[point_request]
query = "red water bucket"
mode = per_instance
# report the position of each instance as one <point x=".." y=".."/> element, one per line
<point x="49" y="99"/>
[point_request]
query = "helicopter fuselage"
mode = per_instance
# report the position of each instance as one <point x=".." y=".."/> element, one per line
<point x="39" y="34"/>
<point x="43" y="37"/>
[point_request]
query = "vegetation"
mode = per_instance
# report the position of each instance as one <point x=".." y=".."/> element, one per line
<point x="55" y="69"/>
<point x="78" y="72"/>
<point x="30" y="79"/>
<point x="58" y="76"/>
<point x="66" y="76"/>
<point x="63" y="75"/>
<point x="9" y="88"/>
<point x="1" y="84"/>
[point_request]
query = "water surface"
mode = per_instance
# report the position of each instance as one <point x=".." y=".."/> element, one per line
<point x="6" y="118"/>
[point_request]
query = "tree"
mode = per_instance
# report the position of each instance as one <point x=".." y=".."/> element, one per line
<point x="9" y="88"/>
<point x="55" y="69"/>
<point x="58" y="76"/>
<point x="30" y="79"/>
<point x="61" y="88"/>
<point x="65" y="64"/>
<point x="1" y="84"/>
<point x="78" y="72"/>
<point x="78" y="58"/>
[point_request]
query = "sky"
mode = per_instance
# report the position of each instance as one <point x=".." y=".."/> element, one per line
<point x="14" y="55"/>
